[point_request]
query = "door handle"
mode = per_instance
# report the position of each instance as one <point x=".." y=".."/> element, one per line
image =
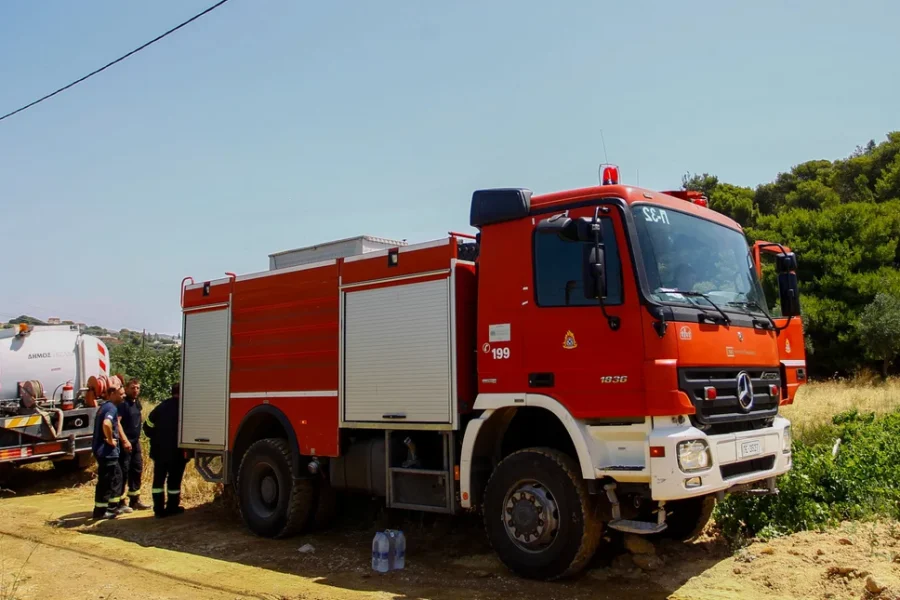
<point x="540" y="380"/>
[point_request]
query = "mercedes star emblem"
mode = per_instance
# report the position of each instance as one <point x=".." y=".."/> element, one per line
<point x="745" y="391"/>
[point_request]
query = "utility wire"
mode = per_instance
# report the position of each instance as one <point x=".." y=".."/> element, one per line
<point x="118" y="60"/>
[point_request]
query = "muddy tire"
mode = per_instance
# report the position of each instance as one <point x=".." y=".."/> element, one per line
<point x="273" y="503"/>
<point x="687" y="518"/>
<point x="540" y="519"/>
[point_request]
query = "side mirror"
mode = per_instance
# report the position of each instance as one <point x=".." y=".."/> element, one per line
<point x="554" y="224"/>
<point x="595" y="276"/>
<point x="786" y="262"/>
<point x="789" y="292"/>
<point x="571" y="230"/>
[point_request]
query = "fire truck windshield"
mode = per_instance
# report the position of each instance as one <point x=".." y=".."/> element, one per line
<point x="687" y="253"/>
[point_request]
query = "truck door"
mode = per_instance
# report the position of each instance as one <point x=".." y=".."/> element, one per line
<point x="791" y="346"/>
<point x="204" y="378"/>
<point x="572" y="353"/>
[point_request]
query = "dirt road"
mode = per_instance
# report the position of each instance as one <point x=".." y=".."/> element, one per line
<point x="49" y="547"/>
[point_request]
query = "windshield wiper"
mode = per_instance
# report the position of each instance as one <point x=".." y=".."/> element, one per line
<point x="699" y="295"/>
<point x="753" y="304"/>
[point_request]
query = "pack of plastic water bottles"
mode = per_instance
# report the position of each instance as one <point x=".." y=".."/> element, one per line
<point x="388" y="551"/>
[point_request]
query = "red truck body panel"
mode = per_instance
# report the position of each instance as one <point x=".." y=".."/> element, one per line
<point x="285" y="330"/>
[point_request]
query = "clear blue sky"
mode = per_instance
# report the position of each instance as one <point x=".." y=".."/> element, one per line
<point x="272" y="124"/>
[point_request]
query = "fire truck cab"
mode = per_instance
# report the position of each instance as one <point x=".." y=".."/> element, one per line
<point x="595" y="358"/>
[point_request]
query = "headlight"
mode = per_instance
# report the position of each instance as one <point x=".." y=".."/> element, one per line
<point x="788" y="439"/>
<point x="693" y="455"/>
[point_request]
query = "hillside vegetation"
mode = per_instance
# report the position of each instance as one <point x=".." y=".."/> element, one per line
<point x="842" y="218"/>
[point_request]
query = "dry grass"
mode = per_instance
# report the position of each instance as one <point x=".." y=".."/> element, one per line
<point x="9" y="583"/>
<point x="818" y="402"/>
<point x="194" y="490"/>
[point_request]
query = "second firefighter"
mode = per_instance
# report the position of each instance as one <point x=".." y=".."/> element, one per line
<point x="161" y="428"/>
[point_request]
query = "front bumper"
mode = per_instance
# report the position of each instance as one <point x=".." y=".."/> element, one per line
<point x="736" y="459"/>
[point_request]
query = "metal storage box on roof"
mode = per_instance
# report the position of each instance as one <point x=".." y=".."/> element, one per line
<point x="330" y="250"/>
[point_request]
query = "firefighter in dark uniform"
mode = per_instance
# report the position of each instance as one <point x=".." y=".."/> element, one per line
<point x="131" y="457"/>
<point x="105" y="445"/>
<point x="161" y="428"/>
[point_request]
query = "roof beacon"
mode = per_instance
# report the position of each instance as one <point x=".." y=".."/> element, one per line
<point x="692" y="196"/>
<point x="609" y="175"/>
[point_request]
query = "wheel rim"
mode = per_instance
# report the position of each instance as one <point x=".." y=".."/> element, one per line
<point x="265" y="489"/>
<point x="269" y="489"/>
<point x="530" y="516"/>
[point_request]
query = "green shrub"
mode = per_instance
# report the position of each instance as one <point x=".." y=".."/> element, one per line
<point x="157" y="369"/>
<point x="861" y="481"/>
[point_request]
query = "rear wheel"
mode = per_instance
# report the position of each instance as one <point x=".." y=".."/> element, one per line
<point x="539" y="517"/>
<point x="272" y="502"/>
<point x="686" y="519"/>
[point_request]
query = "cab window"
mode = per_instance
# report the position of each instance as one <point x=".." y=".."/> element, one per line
<point x="560" y="266"/>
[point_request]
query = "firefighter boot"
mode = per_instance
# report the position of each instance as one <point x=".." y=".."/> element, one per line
<point x="159" y="503"/>
<point x="136" y="504"/>
<point x="173" y="507"/>
<point x="121" y="508"/>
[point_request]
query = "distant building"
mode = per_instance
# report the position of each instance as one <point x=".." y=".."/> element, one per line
<point x="54" y="321"/>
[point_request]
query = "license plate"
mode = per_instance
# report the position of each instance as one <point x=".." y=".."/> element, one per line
<point x="751" y="448"/>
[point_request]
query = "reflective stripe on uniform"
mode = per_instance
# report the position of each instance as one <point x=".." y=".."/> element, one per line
<point x="116" y="499"/>
<point x="174" y="492"/>
<point x="157" y="491"/>
<point x="134" y="493"/>
<point x="100" y="504"/>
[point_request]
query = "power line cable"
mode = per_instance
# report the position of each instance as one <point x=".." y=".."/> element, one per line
<point x="118" y="60"/>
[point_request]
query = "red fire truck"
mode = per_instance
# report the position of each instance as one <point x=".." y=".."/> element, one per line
<point x="596" y="358"/>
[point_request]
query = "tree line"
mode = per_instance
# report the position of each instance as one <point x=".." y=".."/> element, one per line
<point x="842" y="219"/>
<point x="157" y="367"/>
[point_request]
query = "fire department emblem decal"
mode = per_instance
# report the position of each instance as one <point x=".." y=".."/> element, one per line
<point x="569" y="342"/>
<point x="787" y="346"/>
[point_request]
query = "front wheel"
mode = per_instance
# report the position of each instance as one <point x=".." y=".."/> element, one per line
<point x="539" y="517"/>
<point x="272" y="502"/>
